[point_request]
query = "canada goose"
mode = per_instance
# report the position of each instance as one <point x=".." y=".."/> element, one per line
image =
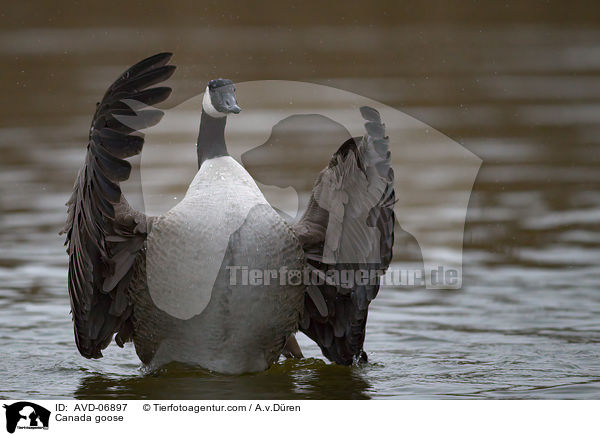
<point x="165" y="282"/>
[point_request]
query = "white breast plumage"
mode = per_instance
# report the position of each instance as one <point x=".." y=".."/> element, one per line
<point x="187" y="245"/>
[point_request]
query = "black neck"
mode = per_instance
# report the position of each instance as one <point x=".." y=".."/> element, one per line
<point x="211" y="139"/>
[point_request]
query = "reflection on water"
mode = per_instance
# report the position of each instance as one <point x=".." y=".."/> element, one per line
<point x="304" y="379"/>
<point x="523" y="97"/>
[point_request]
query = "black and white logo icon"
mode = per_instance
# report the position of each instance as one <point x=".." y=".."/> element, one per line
<point x="26" y="415"/>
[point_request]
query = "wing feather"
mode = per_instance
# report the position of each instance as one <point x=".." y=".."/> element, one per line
<point x="104" y="236"/>
<point x="348" y="227"/>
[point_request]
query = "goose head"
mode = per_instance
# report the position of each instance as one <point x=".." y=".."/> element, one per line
<point x="219" y="99"/>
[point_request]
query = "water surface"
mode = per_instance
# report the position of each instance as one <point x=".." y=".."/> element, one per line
<point x="524" y="97"/>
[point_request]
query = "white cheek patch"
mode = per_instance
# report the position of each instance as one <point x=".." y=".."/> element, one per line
<point x="208" y="106"/>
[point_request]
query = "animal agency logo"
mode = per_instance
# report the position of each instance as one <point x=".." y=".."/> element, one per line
<point x="26" y="415"/>
<point x="287" y="127"/>
<point x="290" y="127"/>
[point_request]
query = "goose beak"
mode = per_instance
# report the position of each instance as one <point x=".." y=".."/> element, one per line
<point x="235" y="109"/>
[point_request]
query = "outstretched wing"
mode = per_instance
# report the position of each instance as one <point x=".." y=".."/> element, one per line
<point x="104" y="234"/>
<point x="347" y="233"/>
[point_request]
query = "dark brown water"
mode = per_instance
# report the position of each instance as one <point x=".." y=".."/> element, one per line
<point x="518" y="86"/>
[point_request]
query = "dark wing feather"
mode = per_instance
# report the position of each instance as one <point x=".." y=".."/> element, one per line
<point x="104" y="234"/>
<point x="348" y="228"/>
